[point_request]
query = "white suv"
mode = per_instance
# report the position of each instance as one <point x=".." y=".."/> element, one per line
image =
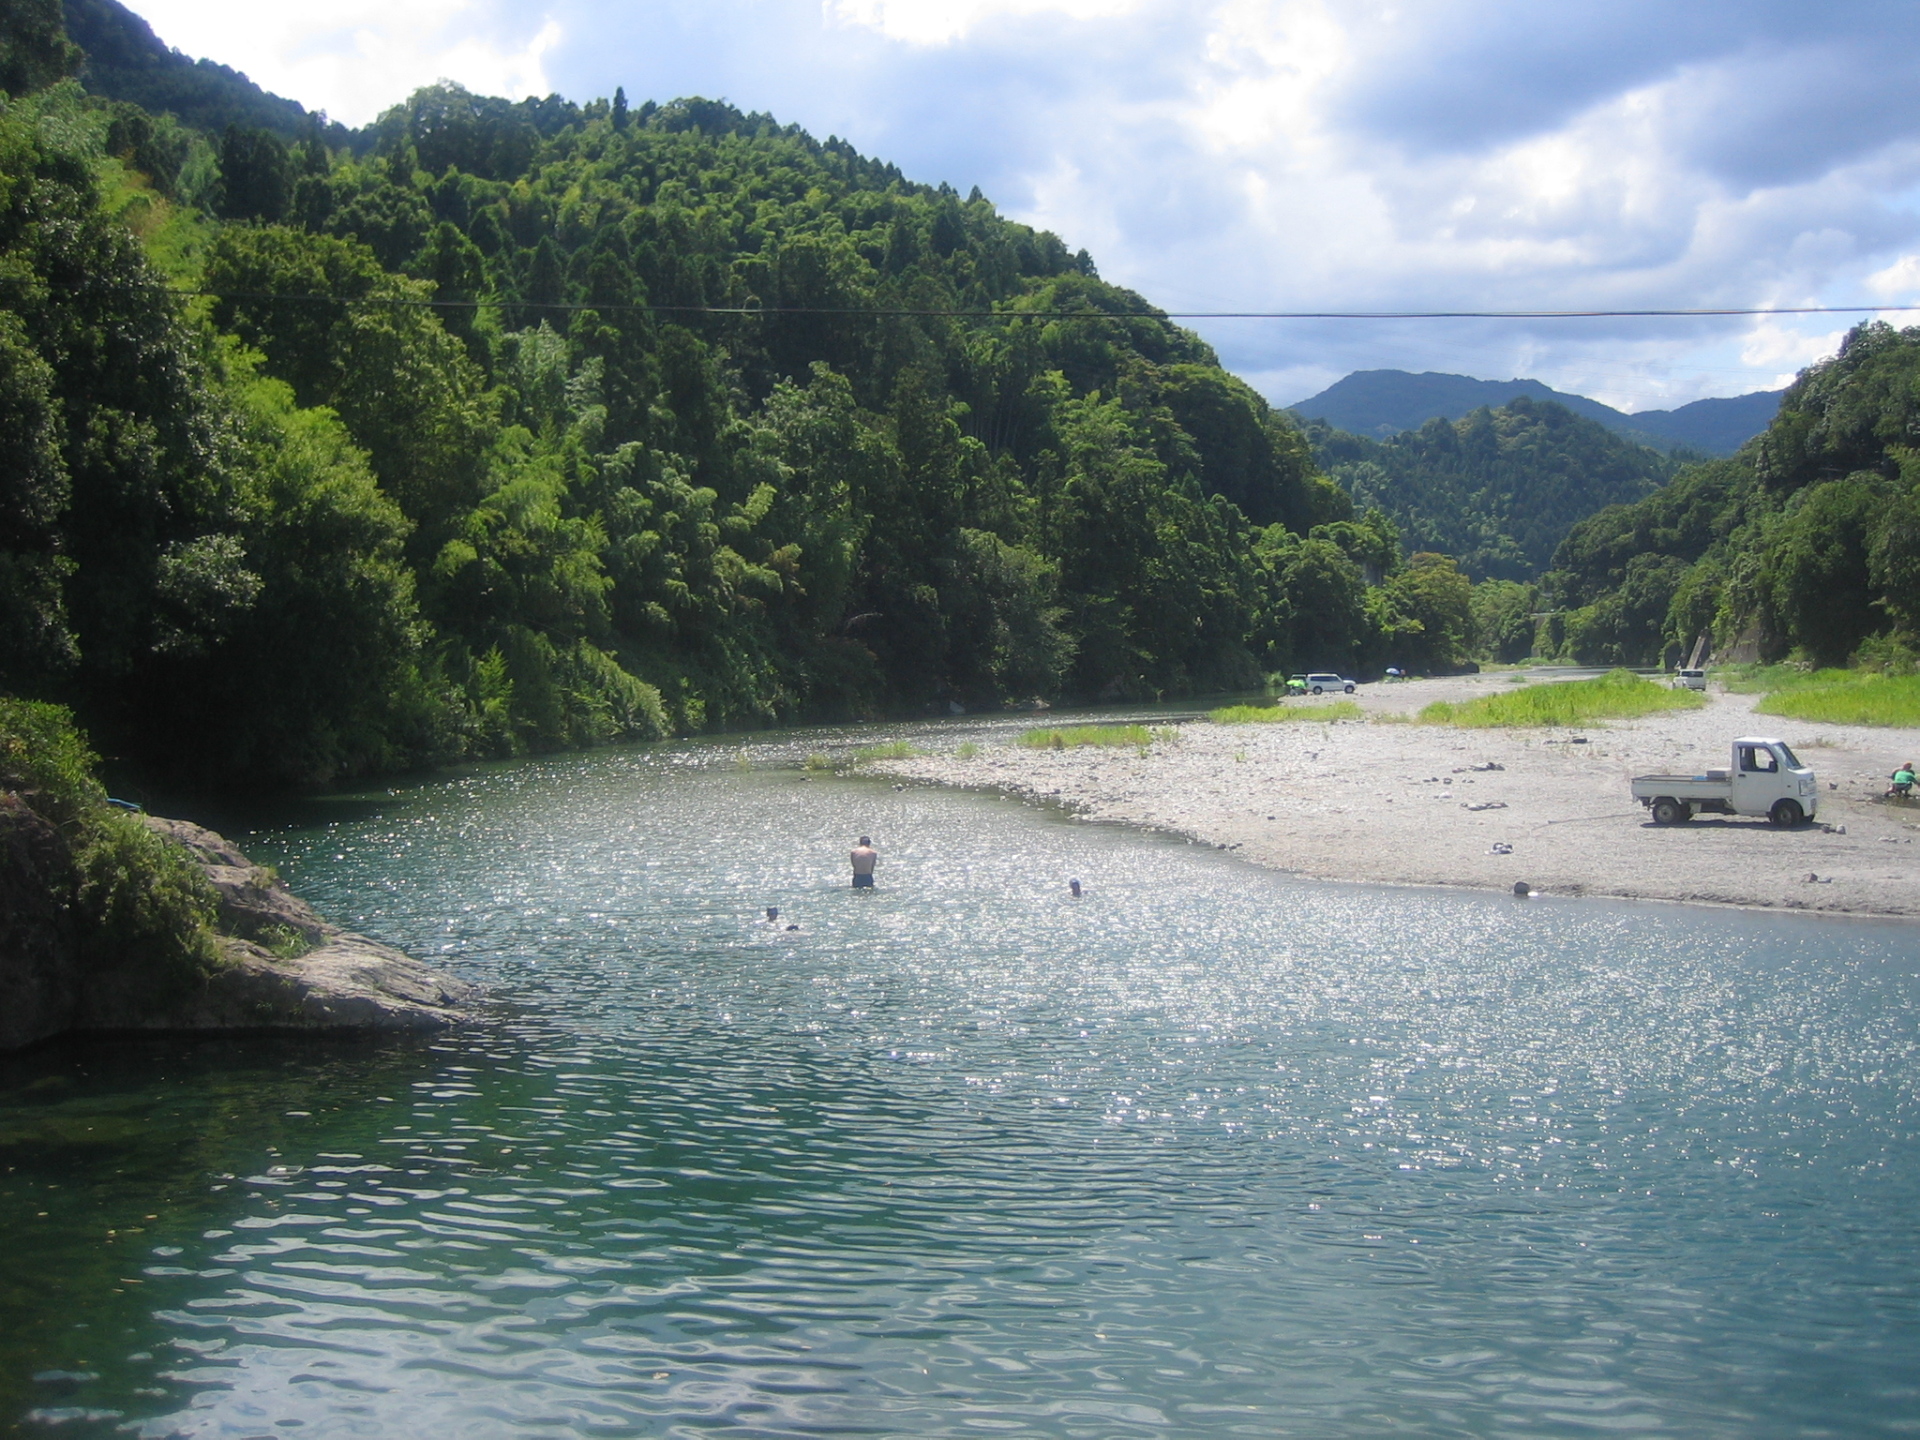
<point x="1321" y="684"/>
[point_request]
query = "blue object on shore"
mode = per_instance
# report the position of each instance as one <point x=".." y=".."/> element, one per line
<point x="122" y="804"/>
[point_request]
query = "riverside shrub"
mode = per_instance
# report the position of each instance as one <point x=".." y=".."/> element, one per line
<point x="140" y="904"/>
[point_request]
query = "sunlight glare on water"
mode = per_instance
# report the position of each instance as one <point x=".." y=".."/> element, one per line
<point x="1209" y="1151"/>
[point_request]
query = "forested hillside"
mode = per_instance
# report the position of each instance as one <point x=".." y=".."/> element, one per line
<point x="1807" y="541"/>
<point x="537" y="425"/>
<point x="1498" y="489"/>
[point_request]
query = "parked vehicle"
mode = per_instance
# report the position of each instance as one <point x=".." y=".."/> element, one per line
<point x="1764" y="778"/>
<point x="1323" y="684"/>
<point x="1689" y="679"/>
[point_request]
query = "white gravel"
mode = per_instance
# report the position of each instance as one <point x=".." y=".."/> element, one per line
<point x="1371" y="800"/>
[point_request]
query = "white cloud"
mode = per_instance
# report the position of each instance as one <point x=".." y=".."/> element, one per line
<point x="1785" y="348"/>
<point x="1254" y="183"/>
<point x="940" y="22"/>
<point x="1899" y="281"/>
<point x="362" y="56"/>
<point x="1290" y="154"/>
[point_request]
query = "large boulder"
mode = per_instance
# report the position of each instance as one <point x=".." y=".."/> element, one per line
<point x="284" y="968"/>
<point x="281" y="967"/>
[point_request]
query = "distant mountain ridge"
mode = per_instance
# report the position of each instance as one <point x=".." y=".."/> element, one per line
<point x="1382" y="403"/>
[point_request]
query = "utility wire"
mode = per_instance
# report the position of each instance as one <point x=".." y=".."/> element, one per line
<point x="872" y="312"/>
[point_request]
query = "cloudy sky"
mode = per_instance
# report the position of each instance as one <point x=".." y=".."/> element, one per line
<point x="1290" y="154"/>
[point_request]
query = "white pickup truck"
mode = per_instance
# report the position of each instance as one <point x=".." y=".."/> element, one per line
<point x="1765" y="778"/>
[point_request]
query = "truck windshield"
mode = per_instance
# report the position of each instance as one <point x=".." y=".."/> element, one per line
<point x="1787" y="757"/>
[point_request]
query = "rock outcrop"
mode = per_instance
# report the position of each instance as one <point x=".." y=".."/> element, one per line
<point x="281" y="966"/>
<point x="287" y="969"/>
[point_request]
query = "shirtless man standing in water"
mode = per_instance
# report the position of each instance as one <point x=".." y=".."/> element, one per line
<point x="865" y="857"/>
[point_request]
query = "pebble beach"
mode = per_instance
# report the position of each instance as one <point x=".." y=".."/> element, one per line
<point x="1382" y="799"/>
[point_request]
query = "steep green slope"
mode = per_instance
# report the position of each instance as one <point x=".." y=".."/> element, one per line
<point x="1498" y="489"/>
<point x="1807" y="541"/>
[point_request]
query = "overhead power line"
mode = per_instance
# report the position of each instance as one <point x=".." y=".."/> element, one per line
<point x="907" y="312"/>
<point x="877" y="311"/>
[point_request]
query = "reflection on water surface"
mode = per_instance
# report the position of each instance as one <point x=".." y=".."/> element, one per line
<point x="1206" y="1152"/>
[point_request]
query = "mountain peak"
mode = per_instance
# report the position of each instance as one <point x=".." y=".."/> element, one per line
<point x="1381" y="403"/>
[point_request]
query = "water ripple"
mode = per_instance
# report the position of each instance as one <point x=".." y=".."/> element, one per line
<point x="1209" y="1152"/>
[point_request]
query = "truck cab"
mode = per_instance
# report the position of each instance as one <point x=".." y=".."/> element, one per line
<point x="1763" y="777"/>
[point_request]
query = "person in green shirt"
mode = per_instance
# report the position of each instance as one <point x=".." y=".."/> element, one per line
<point x="1903" y="781"/>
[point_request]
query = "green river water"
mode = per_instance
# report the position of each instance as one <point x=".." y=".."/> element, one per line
<point x="1208" y="1152"/>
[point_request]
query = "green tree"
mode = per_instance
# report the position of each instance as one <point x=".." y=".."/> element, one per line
<point x="256" y="175"/>
<point x="34" y="49"/>
<point x="1821" y="591"/>
<point x="407" y="390"/>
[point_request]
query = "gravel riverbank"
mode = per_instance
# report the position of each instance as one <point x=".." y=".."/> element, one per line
<point x="1374" y="800"/>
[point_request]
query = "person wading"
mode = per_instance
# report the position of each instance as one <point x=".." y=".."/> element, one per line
<point x="865" y="857"/>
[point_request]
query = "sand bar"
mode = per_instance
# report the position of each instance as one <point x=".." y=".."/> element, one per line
<point x="1416" y="804"/>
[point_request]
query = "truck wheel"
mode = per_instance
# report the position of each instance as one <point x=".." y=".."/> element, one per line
<point x="1667" y="811"/>
<point x="1349" y="689"/>
<point x="1786" y="814"/>
<point x="1316" y="689"/>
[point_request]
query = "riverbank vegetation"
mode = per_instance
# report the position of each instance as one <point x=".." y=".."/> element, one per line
<point x="1841" y="698"/>
<point x="1281" y="714"/>
<point x="86" y="887"/>
<point x="1075" y="737"/>
<point x="1619" y="694"/>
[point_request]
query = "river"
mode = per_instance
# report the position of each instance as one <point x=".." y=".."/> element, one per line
<point x="1208" y="1151"/>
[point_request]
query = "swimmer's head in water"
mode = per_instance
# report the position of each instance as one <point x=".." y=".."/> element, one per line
<point x="773" y="912"/>
<point x="866" y="840"/>
<point x="1074" y="886"/>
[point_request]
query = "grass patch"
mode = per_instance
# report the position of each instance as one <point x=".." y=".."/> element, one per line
<point x="1392" y="717"/>
<point x="891" y="750"/>
<point x="1280" y="714"/>
<point x="817" y="761"/>
<point x="1619" y="694"/>
<point x="1767" y="679"/>
<point x="1842" y="697"/>
<point x="967" y="751"/>
<point x="1073" y="737"/>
